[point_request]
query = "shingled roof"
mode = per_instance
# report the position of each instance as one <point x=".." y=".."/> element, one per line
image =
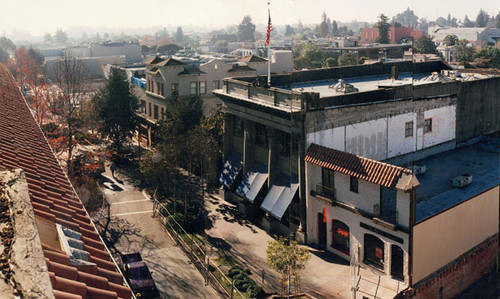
<point x="55" y="204"/>
<point x="253" y="58"/>
<point x="380" y="173"/>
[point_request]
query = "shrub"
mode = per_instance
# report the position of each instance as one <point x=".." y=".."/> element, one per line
<point x="233" y="272"/>
<point x="255" y="291"/>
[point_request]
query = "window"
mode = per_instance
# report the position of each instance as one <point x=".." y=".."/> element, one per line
<point x="354" y="184"/>
<point x="286" y="143"/>
<point x="194" y="88"/>
<point x="428" y="125"/>
<point x="174" y="89"/>
<point x="327" y="177"/>
<point x="142" y="108"/>
<point x="162" y="89"/>
<point x="203" y="87"/>
<point x="158" y="87"/>
<point x="162" y="113"/>
<point x="340" y="236"/>
<point x="155" y="112"/>
<point x="409" y="129"/>
<point x="215" y="84"/>
<point x="149" y="109"/>
<point x="374" y="251"/>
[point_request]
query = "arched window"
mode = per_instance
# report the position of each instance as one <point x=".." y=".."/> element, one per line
<point x="374" y="251"/>
<point x="340" y="236"/>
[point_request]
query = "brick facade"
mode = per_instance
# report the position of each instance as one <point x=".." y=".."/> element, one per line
<point x="458" y="275"/>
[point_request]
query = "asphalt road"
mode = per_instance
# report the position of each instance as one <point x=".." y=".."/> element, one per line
<point x="136" y="230"/>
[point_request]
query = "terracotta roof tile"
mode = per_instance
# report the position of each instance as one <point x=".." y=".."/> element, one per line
<point x="23" y="145"/>
<point x="373" y="171"/>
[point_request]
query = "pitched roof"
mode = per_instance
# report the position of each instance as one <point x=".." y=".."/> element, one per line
<point x="170" y="62"/>
<point x="153" y="60"/>
<point x="240" y="68"/>
<point x="387" y="175"/>
<point x="54" y="201"/>
<point x="253" y="58"/>
<point x="191" y="72"/>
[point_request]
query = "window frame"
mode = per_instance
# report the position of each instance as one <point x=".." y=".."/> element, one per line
<point x="203" y="87"/>
<point x="336" y="225"/>
<point x="193" y="87"/>
<point x="353" y="184"/>
<point x="174" y="89"/>
<point x="428" y="125"/>
<point x="409" y="129"/>
<point x="327" y="177"/>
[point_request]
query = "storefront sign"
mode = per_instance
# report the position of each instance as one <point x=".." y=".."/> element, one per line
<point x="381" y="232"/>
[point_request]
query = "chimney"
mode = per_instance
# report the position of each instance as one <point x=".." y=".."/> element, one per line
<point x="394" y="73"/>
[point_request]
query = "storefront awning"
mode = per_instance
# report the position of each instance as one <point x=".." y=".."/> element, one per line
<point x="252" y="182"/>
<point x="230" y="169"/>
<point x="279" y="198"/>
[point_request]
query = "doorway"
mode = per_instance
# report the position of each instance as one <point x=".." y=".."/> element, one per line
<point x="321" y="231"/>
<point x="397" y="262"/>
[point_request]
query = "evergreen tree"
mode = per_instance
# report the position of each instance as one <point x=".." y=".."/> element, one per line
<point x="468" y="23"/>
<point x="179" y="35"/>
<point x="497" y="20"/>
<point x="60" y="37"/>
<point x="323" y="29"/>
<point x="383" y="29"/>
<point x="246" y="30"/>
<point x="482" y="18"/>
<point x="116" y="106"/>
<point x="335" y="28"/>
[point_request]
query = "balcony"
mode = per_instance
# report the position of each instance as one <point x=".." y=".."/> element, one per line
<point x="326" y="192"/>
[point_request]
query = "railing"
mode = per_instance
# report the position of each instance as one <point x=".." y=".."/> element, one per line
<point x="326" y="191"/>
<point x="196" y="253"/>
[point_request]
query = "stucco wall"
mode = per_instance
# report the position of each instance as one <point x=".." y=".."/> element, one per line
<point x="444" y="237"/>
<point x="384" y="137"/>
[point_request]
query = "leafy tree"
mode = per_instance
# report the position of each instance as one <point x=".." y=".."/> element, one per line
<point x="60" y="36"/>
<point x="7" y="44"/>
<point x="145" y="50"/>
<point x="463" y="52"/>
<point x="179" y="35"/>
<point x="497" y="20"/>
<point x="301" y="62"/>
<point x="4" y="55"/>
<point x="221" y="46"/>
<point x="450" y="40"/>
<point x="407" y="18"/>
<point x="35" y="54"/>
<point x="313" y="53"/>
<point x="335" y="28"/>
<point x="383" y="30"/>
<point x="169" y="49"/>
<point x="347" y="59"/>
<point x="286" y="259"/>
<point x="116" y="106"/>
<point x="331" y="62"/>
<point x="491" y="53"/>
<point x="467" y="23"/>
<point x="246" y="30"/>
<point x="425" y="45"/>
<point x="482" y="18"/>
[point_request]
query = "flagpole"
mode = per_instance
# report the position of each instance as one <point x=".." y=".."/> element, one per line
<point x="269" y="45"/>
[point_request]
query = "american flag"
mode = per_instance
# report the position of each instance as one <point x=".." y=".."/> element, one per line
<point x="269" y="29"/>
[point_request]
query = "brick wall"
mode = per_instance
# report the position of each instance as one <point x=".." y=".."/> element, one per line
<point x="458" y="275"/>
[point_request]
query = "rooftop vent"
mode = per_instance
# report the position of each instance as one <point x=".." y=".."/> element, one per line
<point x="461" y="181"/>
<point x="343" y="87"/>
<point x="73" y="246"/>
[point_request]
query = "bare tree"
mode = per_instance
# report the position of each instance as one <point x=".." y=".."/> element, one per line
<point x="71" y="77"/>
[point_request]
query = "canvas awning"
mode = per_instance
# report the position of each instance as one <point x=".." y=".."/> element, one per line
<point x="230" y="169"/>
<point x="279" y="198"/>
<point x="252" y="182"/>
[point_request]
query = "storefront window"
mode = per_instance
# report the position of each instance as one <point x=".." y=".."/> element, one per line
<point x="340" y="239"/>
<point x="374" y="251"/>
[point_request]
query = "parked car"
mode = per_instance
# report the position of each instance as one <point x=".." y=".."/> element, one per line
<point x="138" y="276"/>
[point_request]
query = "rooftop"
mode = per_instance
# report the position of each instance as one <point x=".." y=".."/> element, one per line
<point x="86" y="271"/>
<point x="435" y="194"/>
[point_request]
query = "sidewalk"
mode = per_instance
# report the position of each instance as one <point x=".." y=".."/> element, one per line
<point x="325" y="275"/>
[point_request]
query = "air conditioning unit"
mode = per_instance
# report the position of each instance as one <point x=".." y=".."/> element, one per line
<point x="461" y="181"/>
<point x="376" y="209"/>
<point x="419" y="169"/>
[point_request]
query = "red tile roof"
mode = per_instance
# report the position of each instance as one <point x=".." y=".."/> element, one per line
<point x="380" y="173"/>
<point x="22" y="145"/>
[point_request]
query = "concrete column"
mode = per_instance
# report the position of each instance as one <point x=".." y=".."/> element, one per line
<point x="247" y="144"/>
<point x="302" y="183"/>
<point x="271" y="165"/>
<point x="228" y="125"/>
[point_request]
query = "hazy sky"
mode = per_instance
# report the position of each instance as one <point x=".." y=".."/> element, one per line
<point x="41" y="16"/>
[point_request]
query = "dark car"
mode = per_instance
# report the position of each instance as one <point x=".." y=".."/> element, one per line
<point x="138" y="276"/>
